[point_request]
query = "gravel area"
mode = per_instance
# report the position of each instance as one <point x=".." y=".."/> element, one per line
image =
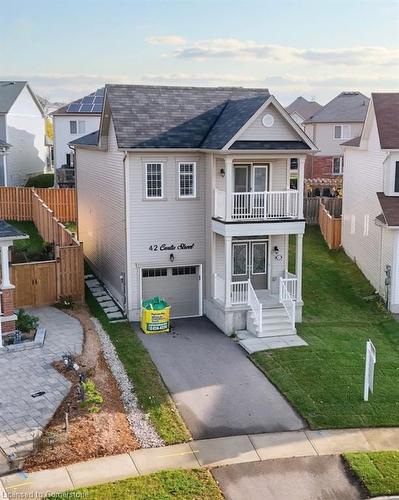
<point x="138" y="420"/>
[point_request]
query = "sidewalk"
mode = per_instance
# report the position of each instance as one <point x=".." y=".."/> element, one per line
<point x="203" y="453"/>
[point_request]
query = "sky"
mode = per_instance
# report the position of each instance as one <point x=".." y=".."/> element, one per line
<point x="316" y="49"/>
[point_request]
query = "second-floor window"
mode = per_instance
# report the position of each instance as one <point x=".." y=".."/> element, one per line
<point x="77" y="127"/>
<point x="187" y="183"/>
<point x="342" y="132"/>
<point x="338" y="165"/>
<point x="154" y="180"/>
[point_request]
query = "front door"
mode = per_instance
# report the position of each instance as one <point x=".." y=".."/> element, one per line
<point x="249" y="262"/>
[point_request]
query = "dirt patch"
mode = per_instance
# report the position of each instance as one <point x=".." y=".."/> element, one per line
<point x="89" y="435"/>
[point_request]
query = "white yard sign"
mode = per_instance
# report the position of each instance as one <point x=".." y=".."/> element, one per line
<point x="371" y="358"/>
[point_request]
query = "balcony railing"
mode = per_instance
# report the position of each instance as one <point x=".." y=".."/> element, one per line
<point x="256" y="205"/>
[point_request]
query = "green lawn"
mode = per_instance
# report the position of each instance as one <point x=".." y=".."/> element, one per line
<point x="150" y="390"/>
<point x="378" y="471"/>
<point x="35" y="242"/>
<point x="324" y="381"/>
<point x="173" y="484"/>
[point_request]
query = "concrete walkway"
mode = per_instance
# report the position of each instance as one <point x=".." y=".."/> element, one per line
<point x="29" y="372"/>
<point x="204" y="453"/>
<point x="217" y="389"/>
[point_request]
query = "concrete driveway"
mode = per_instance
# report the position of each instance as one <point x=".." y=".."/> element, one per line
<point x="308" y="478"/>
<point x="217" y="389"/>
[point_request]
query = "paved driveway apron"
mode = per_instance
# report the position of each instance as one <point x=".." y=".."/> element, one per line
<point x="217" y="389"/>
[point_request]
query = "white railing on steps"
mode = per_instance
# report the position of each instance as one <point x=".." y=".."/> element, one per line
<point x="255" y="305"/>
<point x="287" y="299"/>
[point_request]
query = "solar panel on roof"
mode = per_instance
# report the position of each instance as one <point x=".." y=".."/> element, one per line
<point x="89" y="99"/>
<point x="85" y="108"/>
<point x="92" y="103"/>
<point x="73" y="108"/>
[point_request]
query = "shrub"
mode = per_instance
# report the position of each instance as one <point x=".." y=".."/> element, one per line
<point x="41" y="181"/>
<point x="26" y="322"/>
<point x="66" y="302"/>
<point x="92" y="397"/>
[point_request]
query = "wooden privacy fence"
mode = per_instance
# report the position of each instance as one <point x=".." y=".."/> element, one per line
<point x="41" y="283"/>
<point x="16" y="203"/>
<point x="311" y="208"/>
<point x="330" y="227"/>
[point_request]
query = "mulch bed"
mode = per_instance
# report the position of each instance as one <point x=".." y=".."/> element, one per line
<point x="90" y="435"/>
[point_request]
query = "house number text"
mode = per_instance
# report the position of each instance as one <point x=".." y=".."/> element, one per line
<point x="164" y="246"/>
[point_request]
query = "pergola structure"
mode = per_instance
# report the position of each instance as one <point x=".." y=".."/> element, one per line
<point x="8" y="234"/>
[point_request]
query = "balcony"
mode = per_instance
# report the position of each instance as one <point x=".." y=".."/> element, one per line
<point x="256" y="206"/>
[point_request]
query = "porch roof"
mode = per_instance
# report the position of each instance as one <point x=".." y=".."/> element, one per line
<point x="270" y="145"/>
<point x="9" y="232"/>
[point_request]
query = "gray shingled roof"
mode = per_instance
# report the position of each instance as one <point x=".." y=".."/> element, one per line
<point x="88" y="140"/>
<point x="9" y="232"/>
<point x="303" y="107"/>
<point x="9" y="91"/>
<point x="180" y="117"/>
<point x="347" y="107"/>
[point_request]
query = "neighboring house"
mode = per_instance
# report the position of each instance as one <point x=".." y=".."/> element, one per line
<point x="339" y="120"/>
<point x="71" y="122"/>
<point x="4" y="147"/>
<point x="185" y="193"/>
<point x="370" y="233"/>
<point x="22" y="125"/>
<point x="301" y="109"/>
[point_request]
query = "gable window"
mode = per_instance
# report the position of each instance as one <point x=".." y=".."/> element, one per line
<point x="338" y="165"/>
<point x="342" y="132"/>
<point x="396" y="185"/>
<point x="187" y="185"/>
<point x="73" y="127"/>
<point x="154" y="180"/>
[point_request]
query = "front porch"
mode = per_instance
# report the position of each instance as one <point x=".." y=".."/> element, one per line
<point x="254" y="290"/>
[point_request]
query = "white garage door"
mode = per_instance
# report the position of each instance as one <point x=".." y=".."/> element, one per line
<point x="179" y="286"/>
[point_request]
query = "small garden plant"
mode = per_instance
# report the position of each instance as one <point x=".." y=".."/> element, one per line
<point x="26" y="322"/>
<point x="92" y="397"/>
<point x="66" y="302"/>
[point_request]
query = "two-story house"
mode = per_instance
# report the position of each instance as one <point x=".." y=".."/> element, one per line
<point x="185" y="193"/>
<point x="370" y="232"/>
<point x="70" y="122"/>
<point x="22" y="134"/>
<point x="339" y="120"/>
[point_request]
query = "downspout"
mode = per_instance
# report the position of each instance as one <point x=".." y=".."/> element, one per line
<point x="125" y="275"/>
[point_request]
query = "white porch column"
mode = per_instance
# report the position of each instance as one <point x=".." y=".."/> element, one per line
<point x="5" y="283"/>
<point x="298" y="266"/>
<point x="227" y="269"/>
<point x="301" y="187"/>
<point x="228" y="169"/>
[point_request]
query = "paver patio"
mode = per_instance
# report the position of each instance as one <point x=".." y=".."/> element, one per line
<point x="23" y="373"/>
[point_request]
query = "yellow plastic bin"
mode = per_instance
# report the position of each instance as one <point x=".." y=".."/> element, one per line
<point x="155" y="316"/>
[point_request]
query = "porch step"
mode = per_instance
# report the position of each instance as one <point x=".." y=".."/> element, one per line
<point x="275" y="323"/>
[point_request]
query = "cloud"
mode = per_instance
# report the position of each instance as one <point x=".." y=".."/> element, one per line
<point x="166" y="40"/>
<point x="250" y="50"/>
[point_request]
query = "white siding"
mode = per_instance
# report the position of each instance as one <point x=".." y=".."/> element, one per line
<point x="280" y="131"/>
<point x="101" y="211"/>
<point x="395" y="273"/>
<point x="322" y="135"/>
<point x="169" y="221"/>
<point x="363" y="178"/>
<point x="25" y="132"/>
<point x="62" y="135"/>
